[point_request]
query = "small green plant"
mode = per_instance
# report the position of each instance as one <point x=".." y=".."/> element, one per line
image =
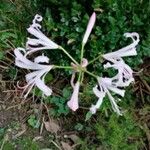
<point x="79" y="127"/>
<point x="59" y="103"/>
<point x="33" y="121"/>
<point x="60" y="107"/>
<point x="119" y="133"/>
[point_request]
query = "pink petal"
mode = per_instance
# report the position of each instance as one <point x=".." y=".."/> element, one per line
<point x="32" y="75"/>
<point x="94" y="108"/>
<point x="20" y="56"/>
<point x="34" y="29"/>
<point x="73" y="102"/>
<point x="98" y="93"/>
<point x="41" y="59"/>
<point x="89" y="27"/>
<point x="113" y="103"/>
<point x="117" y="91"/>
<point x="129" y="50"/>
<point x="41" y="85"/>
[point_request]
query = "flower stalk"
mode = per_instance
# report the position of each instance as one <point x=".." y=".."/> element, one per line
<point x="61" y="48"/>
<point x="95" y="59"/>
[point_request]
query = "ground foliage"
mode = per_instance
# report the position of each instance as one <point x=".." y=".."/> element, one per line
<point x="65" y="23"/>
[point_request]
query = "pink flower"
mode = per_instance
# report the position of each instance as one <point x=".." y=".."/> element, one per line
<point x="129" y="50"/>
<point x="40" y="41"/>
<point x="89" y="28"/>
<point x="125" y="74"/>
<point x="73" y="102"/>
<point x="105" y="86"/>
<point x="35" y="78"/>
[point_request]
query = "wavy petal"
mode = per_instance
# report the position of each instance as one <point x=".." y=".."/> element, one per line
<point x="20" y="56"/>
<point x="41" y="59"/>
<point x="100" y="95"/>
<point x="73" y="102"/>
<point x="94" y="108"/>
<point x="41" y="85"/>
<point x="42" y="42"/>
<point x="33" y="66"/>
<point x="22" y="62"/>
<point x="113" y="103"/>
<point x="32" y="75"/>
<point x="129" y="50"/>
<point x="42" y="39"/>
<point x="117" y="90"/>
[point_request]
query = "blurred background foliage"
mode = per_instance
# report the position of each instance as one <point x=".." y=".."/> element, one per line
<point x="65" y="23"/>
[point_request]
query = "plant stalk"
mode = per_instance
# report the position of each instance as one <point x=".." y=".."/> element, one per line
<point x="99" y="56"/>
<point x="68" y="55"/>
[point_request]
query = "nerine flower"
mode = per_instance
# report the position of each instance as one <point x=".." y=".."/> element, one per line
<point x="129" y="50"/>
<point x="125" y="74"/>
<point x="40" y="42"/>
<point x="73" y="102"/>
<point x="89" y="28"/>
<point x="35" y="78"/>
<point x="105" y="86"/>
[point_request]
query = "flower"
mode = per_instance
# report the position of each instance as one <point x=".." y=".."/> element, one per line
<point x="41" y="41"/>
<point x="89" y="27"/>
<point x="125" y="73"/>
<point x="105" y="86"/>
<point x="73" y="102"/>
<point x="129" y="50"/>
<point x="40" y="71"/>
<point x="100" y="95"/>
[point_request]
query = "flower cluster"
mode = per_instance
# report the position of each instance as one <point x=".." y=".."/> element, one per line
<point x="40" y="66"/>
<point x="123" y="78"/>
<point x="40" y="42"/>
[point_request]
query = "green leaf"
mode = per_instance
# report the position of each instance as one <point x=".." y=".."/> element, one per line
<point x="33" y="122"/>
<point x="88" y="116"/>
<point x="79" y="126"/>
<point x="66" y="93"/>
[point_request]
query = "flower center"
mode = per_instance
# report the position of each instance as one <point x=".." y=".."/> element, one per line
<point x="81" y="67"/>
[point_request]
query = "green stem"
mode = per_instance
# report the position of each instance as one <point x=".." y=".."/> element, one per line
<point x="91" y="74"/>
<point x="82" y="52"/>
<point x="79" y="77"/>
<point x="81" y="57"/>
<point x="63" y="67"/>
<point x="94" y="59"/>
<point x="82" y="77"/>
<point x="68" y="55"/>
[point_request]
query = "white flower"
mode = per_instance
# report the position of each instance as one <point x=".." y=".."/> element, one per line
<point x="105" y="86"/>
<point x="125" y="74"/>
<point x="40" y="41"/>
<point x="73" y="102"/>
<point x="129" y="50"/>
<point x="89" y="28"/>
<point x="35" y="78"/>
<point x="100" y="95"/>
